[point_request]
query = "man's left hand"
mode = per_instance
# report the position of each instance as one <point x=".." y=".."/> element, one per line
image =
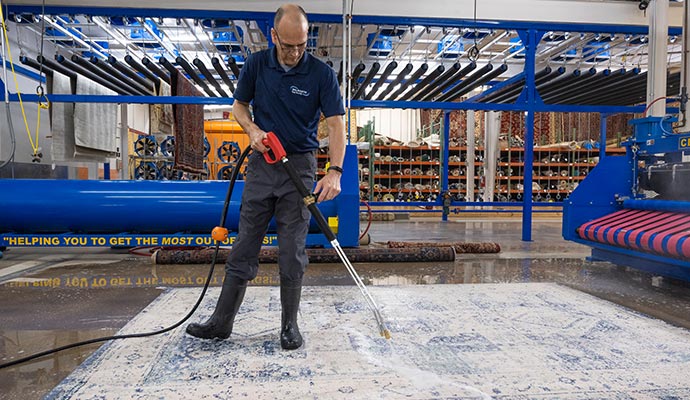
<point x="328" y="187"/>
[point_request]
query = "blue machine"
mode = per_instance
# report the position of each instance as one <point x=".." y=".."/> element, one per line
<point x="147" y="213"/>
<point x="634" y="210"/>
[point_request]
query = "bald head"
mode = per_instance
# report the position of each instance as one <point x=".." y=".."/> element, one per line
<point x="292" y="16"/>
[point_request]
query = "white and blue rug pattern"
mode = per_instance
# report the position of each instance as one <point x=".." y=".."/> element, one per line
<point x="504" y="341"/>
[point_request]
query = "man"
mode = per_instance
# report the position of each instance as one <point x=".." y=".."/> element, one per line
<point x="289" y="89"/>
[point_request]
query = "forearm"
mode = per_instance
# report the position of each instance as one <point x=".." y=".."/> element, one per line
<point x="241" y="113"/>
<point x="336" y="140"/>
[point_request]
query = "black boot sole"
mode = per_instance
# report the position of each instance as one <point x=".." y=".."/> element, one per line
<point x="203" y="332"/>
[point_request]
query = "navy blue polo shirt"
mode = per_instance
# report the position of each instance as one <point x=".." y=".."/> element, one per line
<point x="289" y="103"/>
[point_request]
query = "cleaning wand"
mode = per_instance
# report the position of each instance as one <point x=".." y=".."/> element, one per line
<point x="277" y="153"/>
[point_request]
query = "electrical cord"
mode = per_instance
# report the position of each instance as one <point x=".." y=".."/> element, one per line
<point x="644" y="113"/>
<point x="8" y="111"/>
<point x="370" y="217"/>
<point x="34" y="144"/>
<point x="226" y="204"/>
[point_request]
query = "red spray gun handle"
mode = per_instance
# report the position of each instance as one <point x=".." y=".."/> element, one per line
<point x="276" y="151"/>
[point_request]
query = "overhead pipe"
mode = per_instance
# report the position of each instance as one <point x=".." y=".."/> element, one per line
<point x="131" y="74"/>
<point x="147" y="73"/>
<point x="466" y="83"/>
<point x="384" y="75"/>
<point x="506" y="91"/>
<point x="482" y="80"/>
<point x="340" y="72"/>
<point x="142" y="21"/>
<point x="168" y="66"/>
<point x="232" y="64"/>
<point x="546" y="86"/>
<point x="118" y="36"/>
<point x="93" y="47"/>
<point x="544" y="75"/>
<point x="455" y="67"/>
<point x="35" y="65"/>
<point x="451" y="81"/>
<point x="560" y="48"/>
<point x="102" y="74"/>
<point x="223" y="75"/>
<point x="359" y="68"/>
<point x="401" y="75"/>
<point x="637" y="90"/>
<point x="209" y="76"/>
<point x="610" y="85"/>
<point x="198" y="39"/>
<point x="405" y="85"/>
<point x="90" y="75"/>
<point x="195" y="77"/>
<point x="426" y="81"/>
<point x="634" y="91"/>
<point x="373" y="70"/>
<point x="108" y="69"/>
<point x="592" y="78"/>
<point x="538" y="82"/>
<point x="56" y="67"/>
<point x="148" y="63"/>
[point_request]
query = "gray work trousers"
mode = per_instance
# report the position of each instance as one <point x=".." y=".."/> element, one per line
<point x="268" y="191"/>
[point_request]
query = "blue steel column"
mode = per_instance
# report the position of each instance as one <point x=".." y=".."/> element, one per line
<point x="602" y="135"/>
<point x="530" y="50"/>
<point x="444" y="159"/>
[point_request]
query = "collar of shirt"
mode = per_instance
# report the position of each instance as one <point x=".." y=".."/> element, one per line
<point x="301" y="67"/>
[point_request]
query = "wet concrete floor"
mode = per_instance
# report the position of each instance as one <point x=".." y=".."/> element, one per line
<point x="53" y="297"/>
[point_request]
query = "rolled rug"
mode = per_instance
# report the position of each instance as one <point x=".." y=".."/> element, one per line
<point x="270" y="255"/>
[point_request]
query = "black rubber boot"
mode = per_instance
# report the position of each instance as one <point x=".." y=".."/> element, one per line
<point x="220" y="323"/>
<point x="290" y="293"/>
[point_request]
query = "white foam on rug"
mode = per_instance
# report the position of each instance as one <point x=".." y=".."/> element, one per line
<point x="512" y="341"/>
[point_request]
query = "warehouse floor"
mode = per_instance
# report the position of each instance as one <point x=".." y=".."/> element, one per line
<point x="534" y="321"/>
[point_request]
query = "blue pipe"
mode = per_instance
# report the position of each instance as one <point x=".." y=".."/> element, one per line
<point x="88" y="206"/>
<point x="658" y="205"/>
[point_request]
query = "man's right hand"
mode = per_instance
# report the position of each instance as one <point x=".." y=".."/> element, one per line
<point x="256" y="140"/>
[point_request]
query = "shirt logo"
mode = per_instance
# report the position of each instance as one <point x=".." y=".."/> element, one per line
<point x="301" y="92"/>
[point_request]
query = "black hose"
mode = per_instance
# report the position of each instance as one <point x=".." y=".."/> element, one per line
<point x="233" y="178"/>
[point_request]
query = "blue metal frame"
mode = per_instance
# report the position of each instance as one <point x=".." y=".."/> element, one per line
<point x="611" y="186"/>
<point x="530" y="33"/>
<point x="653" y="263"/>
<point x="336" y="18"/>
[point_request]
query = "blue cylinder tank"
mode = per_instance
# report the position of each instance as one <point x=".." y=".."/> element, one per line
<point x="88" y="206"/>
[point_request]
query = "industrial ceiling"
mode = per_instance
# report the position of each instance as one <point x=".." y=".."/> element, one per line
<point x="385" y="55"/>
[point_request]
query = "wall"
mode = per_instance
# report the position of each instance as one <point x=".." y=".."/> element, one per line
<point x="395" y="123"/>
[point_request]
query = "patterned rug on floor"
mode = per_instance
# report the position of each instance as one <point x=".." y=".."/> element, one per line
<point x="508" y="341"/>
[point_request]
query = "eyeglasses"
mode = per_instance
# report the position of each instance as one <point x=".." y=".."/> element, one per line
<point x="290" y="47"/>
